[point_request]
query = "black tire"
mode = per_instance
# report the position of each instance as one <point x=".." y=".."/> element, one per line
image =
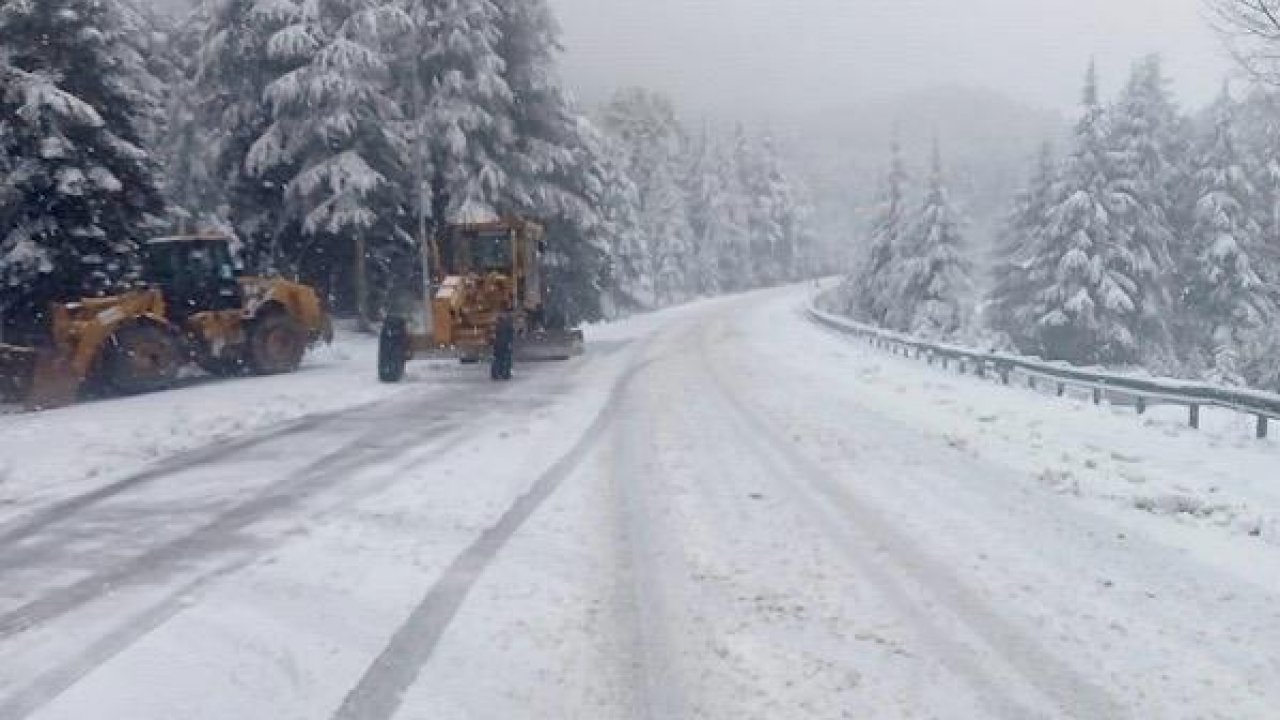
<point x="277" y="343"/>
<point x="393" y="350"/>
<point x="504" y="349"/>
<point x="226" y="366"/>
<point x="141" y="359"/>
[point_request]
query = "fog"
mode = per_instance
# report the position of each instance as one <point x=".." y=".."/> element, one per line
<point x="780" y="57"/>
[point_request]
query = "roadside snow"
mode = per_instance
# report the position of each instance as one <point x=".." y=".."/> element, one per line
<point x="1219" y="477"/>
<point x="49" y="455"/>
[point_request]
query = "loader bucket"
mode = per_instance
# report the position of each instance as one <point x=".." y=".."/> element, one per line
<point x="38" y="379"/>
<point x="17" y="372"/>
<point x="550" y="345"/>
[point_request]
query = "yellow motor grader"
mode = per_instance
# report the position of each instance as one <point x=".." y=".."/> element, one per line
<point x="196" y="309"/>
<point x="486" y="299"/>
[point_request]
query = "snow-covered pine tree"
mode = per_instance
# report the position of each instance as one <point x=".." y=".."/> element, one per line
<point x="1226" y="301"/>
<point x="80" y="192"/>
<point x="932" y="275"/>
<point x="1148" y="148"/>
<point x="1258" y="123"/>
<point x="618" y="202"/>
<point x="556" y="167"/>
<point x="243" y="48"/>
<point x="451" y="81"/>
<point x="764" y="233"/>
<point x="338" y="128"/>
<point x="869" y="292"/>
<point x="704" y="190"/>
<point x="1259" y="127"/>
<point x="645" y="124"/>
<point x="1083" y="304"/>
<point x="729" y="215"/>
<point x="1013" y="289"/>
<point x="182" y="143"/>
<point x="777" y="226"/>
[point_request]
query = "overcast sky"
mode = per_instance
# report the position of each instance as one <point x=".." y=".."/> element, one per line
<point x="808" y="55"/>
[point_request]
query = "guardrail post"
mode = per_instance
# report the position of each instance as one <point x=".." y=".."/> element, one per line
<point x="982" y="369"/>
<point x="1031" y="381"/>
<point x="946" y="362"/>
<point x="1262" y="427"/>
<point x="1195" y="417"/>
<point x="962" y="365"/>
<point x="1141" y="404"/>
<point x="1004" y="374"/>
<point x="1062" y="389"/>
<point x="1097" y="396"/>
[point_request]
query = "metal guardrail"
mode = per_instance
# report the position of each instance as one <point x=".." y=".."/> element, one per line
<point x="1143" y="392"/>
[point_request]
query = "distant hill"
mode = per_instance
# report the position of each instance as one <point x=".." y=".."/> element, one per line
<point x="988" y="142"/>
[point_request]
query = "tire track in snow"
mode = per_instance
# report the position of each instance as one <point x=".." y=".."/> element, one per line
<point x="221" y="535"/>
<point x="861" y="532"/>
<point x="659" y="688"/>
<point x="380" y="691"/>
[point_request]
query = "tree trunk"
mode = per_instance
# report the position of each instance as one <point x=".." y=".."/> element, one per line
<point x="362" y="285"/>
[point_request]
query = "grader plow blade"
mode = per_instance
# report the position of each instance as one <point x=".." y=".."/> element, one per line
<point x="550" y="346"/>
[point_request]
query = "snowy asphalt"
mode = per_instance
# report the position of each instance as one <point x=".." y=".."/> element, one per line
<point x="721" y="512"/>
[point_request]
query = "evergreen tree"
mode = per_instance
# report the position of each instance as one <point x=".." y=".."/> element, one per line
<point x="556" y="167"/>
<point x="1226" y="299"/>
<point x="776" y="227"/>
<point x="80" y="192"/>
<point x="245" y="45"/>
<point x="729" y="215"/>
<point x="1147" y="158"/>
<point x="1084" y="300"/>
<point x="645" y="124"/>
<point x="870" y="291"/>
<point x="704" y="189"/>
<point x="932" y="276"/>
<point x="1013" y="289"/>
<point x="339" y="131"/>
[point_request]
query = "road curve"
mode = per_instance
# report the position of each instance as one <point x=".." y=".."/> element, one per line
<point x="716" y="514"/>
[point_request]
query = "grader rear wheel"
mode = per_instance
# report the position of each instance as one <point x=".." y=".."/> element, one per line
<point x="141" y="359"/>
<point x="393" y="350"/>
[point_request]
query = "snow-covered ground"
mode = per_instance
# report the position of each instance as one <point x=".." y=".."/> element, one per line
<point x="49" y="455"/>
<point x="723" y="511"/>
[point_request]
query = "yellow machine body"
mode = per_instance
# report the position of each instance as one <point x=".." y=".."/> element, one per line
<point x="79" y="334"/>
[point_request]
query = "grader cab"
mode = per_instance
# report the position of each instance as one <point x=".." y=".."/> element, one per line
<point x="486" y="300"/>
<point x="196" y="308"/>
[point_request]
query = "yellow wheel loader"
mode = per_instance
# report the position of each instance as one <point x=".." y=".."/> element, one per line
<point x="486" y="300"/>
<point x="196" y="309"/>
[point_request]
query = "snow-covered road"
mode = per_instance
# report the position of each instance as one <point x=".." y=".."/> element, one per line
<point x="724" y="511"/>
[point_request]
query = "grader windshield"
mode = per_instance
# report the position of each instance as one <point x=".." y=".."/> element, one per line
<point x="479" y="252"/>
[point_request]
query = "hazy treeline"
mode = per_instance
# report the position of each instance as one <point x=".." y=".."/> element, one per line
<point x="331" y="137"/>
<point x="1153" y="240"/>
<point x="709" y="210"/>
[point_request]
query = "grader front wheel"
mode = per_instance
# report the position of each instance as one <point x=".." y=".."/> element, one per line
<point x="504" y="348"/>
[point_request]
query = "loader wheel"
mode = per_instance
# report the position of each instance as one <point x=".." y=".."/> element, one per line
<point x="224" y="367"/>
<point x="393" y="350"/>
<point x="141" y="359"/>
<point x="504" y="348"/>
<point x="277" y="343"/>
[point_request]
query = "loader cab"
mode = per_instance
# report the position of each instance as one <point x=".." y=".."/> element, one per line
<point x="196" y="274"/>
